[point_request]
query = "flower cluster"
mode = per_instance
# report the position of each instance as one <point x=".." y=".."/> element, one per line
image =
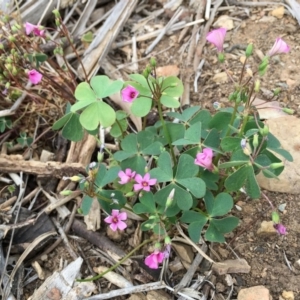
<point x="142" y="182"/>
<point x="204" y="159"/>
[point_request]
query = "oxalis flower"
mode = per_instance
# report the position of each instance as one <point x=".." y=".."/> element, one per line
<point x="116" y="220"/>
<point x="204" y="159"/>
<point x="34" y="76"/>
<point x="35" y="29"/>
<point x="280" y="46"/>
<point x="154" y="259"/>
<point x="126" y="176"/>
<point x="143" y="183"/>
<point x="280" y="229"/>
<point x="217" y="37"/>
<point x="129" y="94"/>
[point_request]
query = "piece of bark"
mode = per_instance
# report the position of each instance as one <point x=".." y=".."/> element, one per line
<point x="106" y="35"/>
<point x="231" y="266"/>
<point x="16" y="164"/>
<point x="99" y="240"/>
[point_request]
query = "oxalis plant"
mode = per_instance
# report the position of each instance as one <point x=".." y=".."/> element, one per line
<point x="189" y="166"/>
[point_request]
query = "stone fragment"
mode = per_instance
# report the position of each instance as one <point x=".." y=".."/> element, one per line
<point x="170" y="70"/>
<point x="254" y="293"/>
<point x="158" y="295"/>
<point x="288" y="295"/>
<point x="278" y="12"/>
<point x="220" y="77"/>
<point x="266" y="229"/>
<point x="268" y="110"/>
<point x="231" y="266"/>
<point x="287" y="130"/>
<point x="137" y="296"/>
<point x="225" y="22"/>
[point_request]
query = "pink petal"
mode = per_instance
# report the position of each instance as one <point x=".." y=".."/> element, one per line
<point x="29" y="28"/>
<point x="115" y="213"/>
<point x="138" y="178"/>
<point x="137" y="187"/>
<point x="121" y="225"/>
<point x="208" y="152"/>
<point x="122" y="216"/>
<point x="146" y="188"/>
<point x="108" y="219"/>
<point x="147" y="177"/>
<point x="114" y="226"/>
<point x="152" y="181"/>
<point x="217" y="37"/>
<point x="160" y="257"/>
<point x="151" y="261"/>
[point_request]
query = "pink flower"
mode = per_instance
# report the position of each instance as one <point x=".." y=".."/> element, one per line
<point x="217" y="37"/>
<point x="34" y="76"/>
<point x="126" y="176"/>
<point x="204" y="159"/>
<point x="143" y="183"/>
<point x="280" y="229"/>
<point x="116" y="220"/>
<point x="279" y="47"/>
<point x="154" y="259"/>
<point x="129" y="94"/>
<point x="36" y="29"/>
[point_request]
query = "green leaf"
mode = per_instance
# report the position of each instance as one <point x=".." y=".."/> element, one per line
<point x="186" y="167"/>
<point x="213" y="139"/>
<point x="287" y="155"/>
<point x="129" y="143"/>
<point x="237" y="179"/>
<point x="195" y="185"/>
<point x="115" y="130"/>
<point x="73" y="130"/>
<point x="218" y="227"/>
<point x="273" y="142"/>
<point x="176" y="131"/>
<point x="141" y="106"/>
<point x="223" y="203"/>
<point x="220" y="120"/>
<point x="136" y="163"/>
<point x="146" y="205"/>
<point x="190" y="216"/>
<point x="187" y="114"/>
<point x="61" y="122"/>
<point x="193" y="133"/>
<point x="153" y="149"/>
<point x="118" y="196"/>
<point x="168" y="101"/>
<point x="163" y="172"/>
<point x="195" y="229"/>
<point x="139" y="78"/>
<point x="230" y="143"/>
<point x="84" y="92"/>
<point x="202" y="116"/>
<point x="251" y="186"/>
<point x="172" y="86"/>
<point x="86" y="204"/>
<point x="81" y="104"/>
<point x="105" y="87"/>
<point x="232" y="164"/>
<point x="110" y="175"/>
<point x="97" y="113"/>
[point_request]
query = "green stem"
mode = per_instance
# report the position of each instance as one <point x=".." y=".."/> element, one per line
<point x="166" y="132"/>
<point x="245" y="120"/>
<point x="117" y="264"/>
<point x="120" y="127"/>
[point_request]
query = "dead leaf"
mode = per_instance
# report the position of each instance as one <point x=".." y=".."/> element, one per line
<point x="220" y="77"/>
<point x="170" y="70"/>
<point x="225" y="22"/>
<point x="93" y="218"/>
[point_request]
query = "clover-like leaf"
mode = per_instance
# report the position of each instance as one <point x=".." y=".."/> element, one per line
<point x="104" y="87"/>
<point x="141" y="106"/>
<point x="97" y="113"/>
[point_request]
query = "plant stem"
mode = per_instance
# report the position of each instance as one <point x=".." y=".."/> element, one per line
<point x="166" y="132"/>
<point x="117" y="264"/>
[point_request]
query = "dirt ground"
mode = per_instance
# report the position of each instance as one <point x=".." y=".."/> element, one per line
<point x="268" y="256"/>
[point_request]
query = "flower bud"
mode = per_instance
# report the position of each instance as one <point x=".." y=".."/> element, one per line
<point x="75" y="178"/>
<point x="263" y="66"/>
<point x="170" y="198"/>
<point x="11" y="38"/>
<point x="232" y="96"/>
<point x="66" y="192"/>
<point x="275" y="217"/>
<point x="14" y="28"/>
<point x="255" y="140"/>
<point x="8" y="67"/>
<point x="277" y="91"/>
<point x="14" y="71"/>
<point x="257" y="86"/>
<point x="249" y="50"/>
<point x="153" y="62"/>
<point x="288" y="110"/>
<point x="7" y="85"/>
<point x="57" y="22"/>
<point x="167" y="240"/>
<point x="1" y="46"/>
<point x="276" y="165"/>
<point x="130" y="194"/>
<point x="221" y="57"/>
<point x="157" y="246"/>
<point x="264" y="131"/>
